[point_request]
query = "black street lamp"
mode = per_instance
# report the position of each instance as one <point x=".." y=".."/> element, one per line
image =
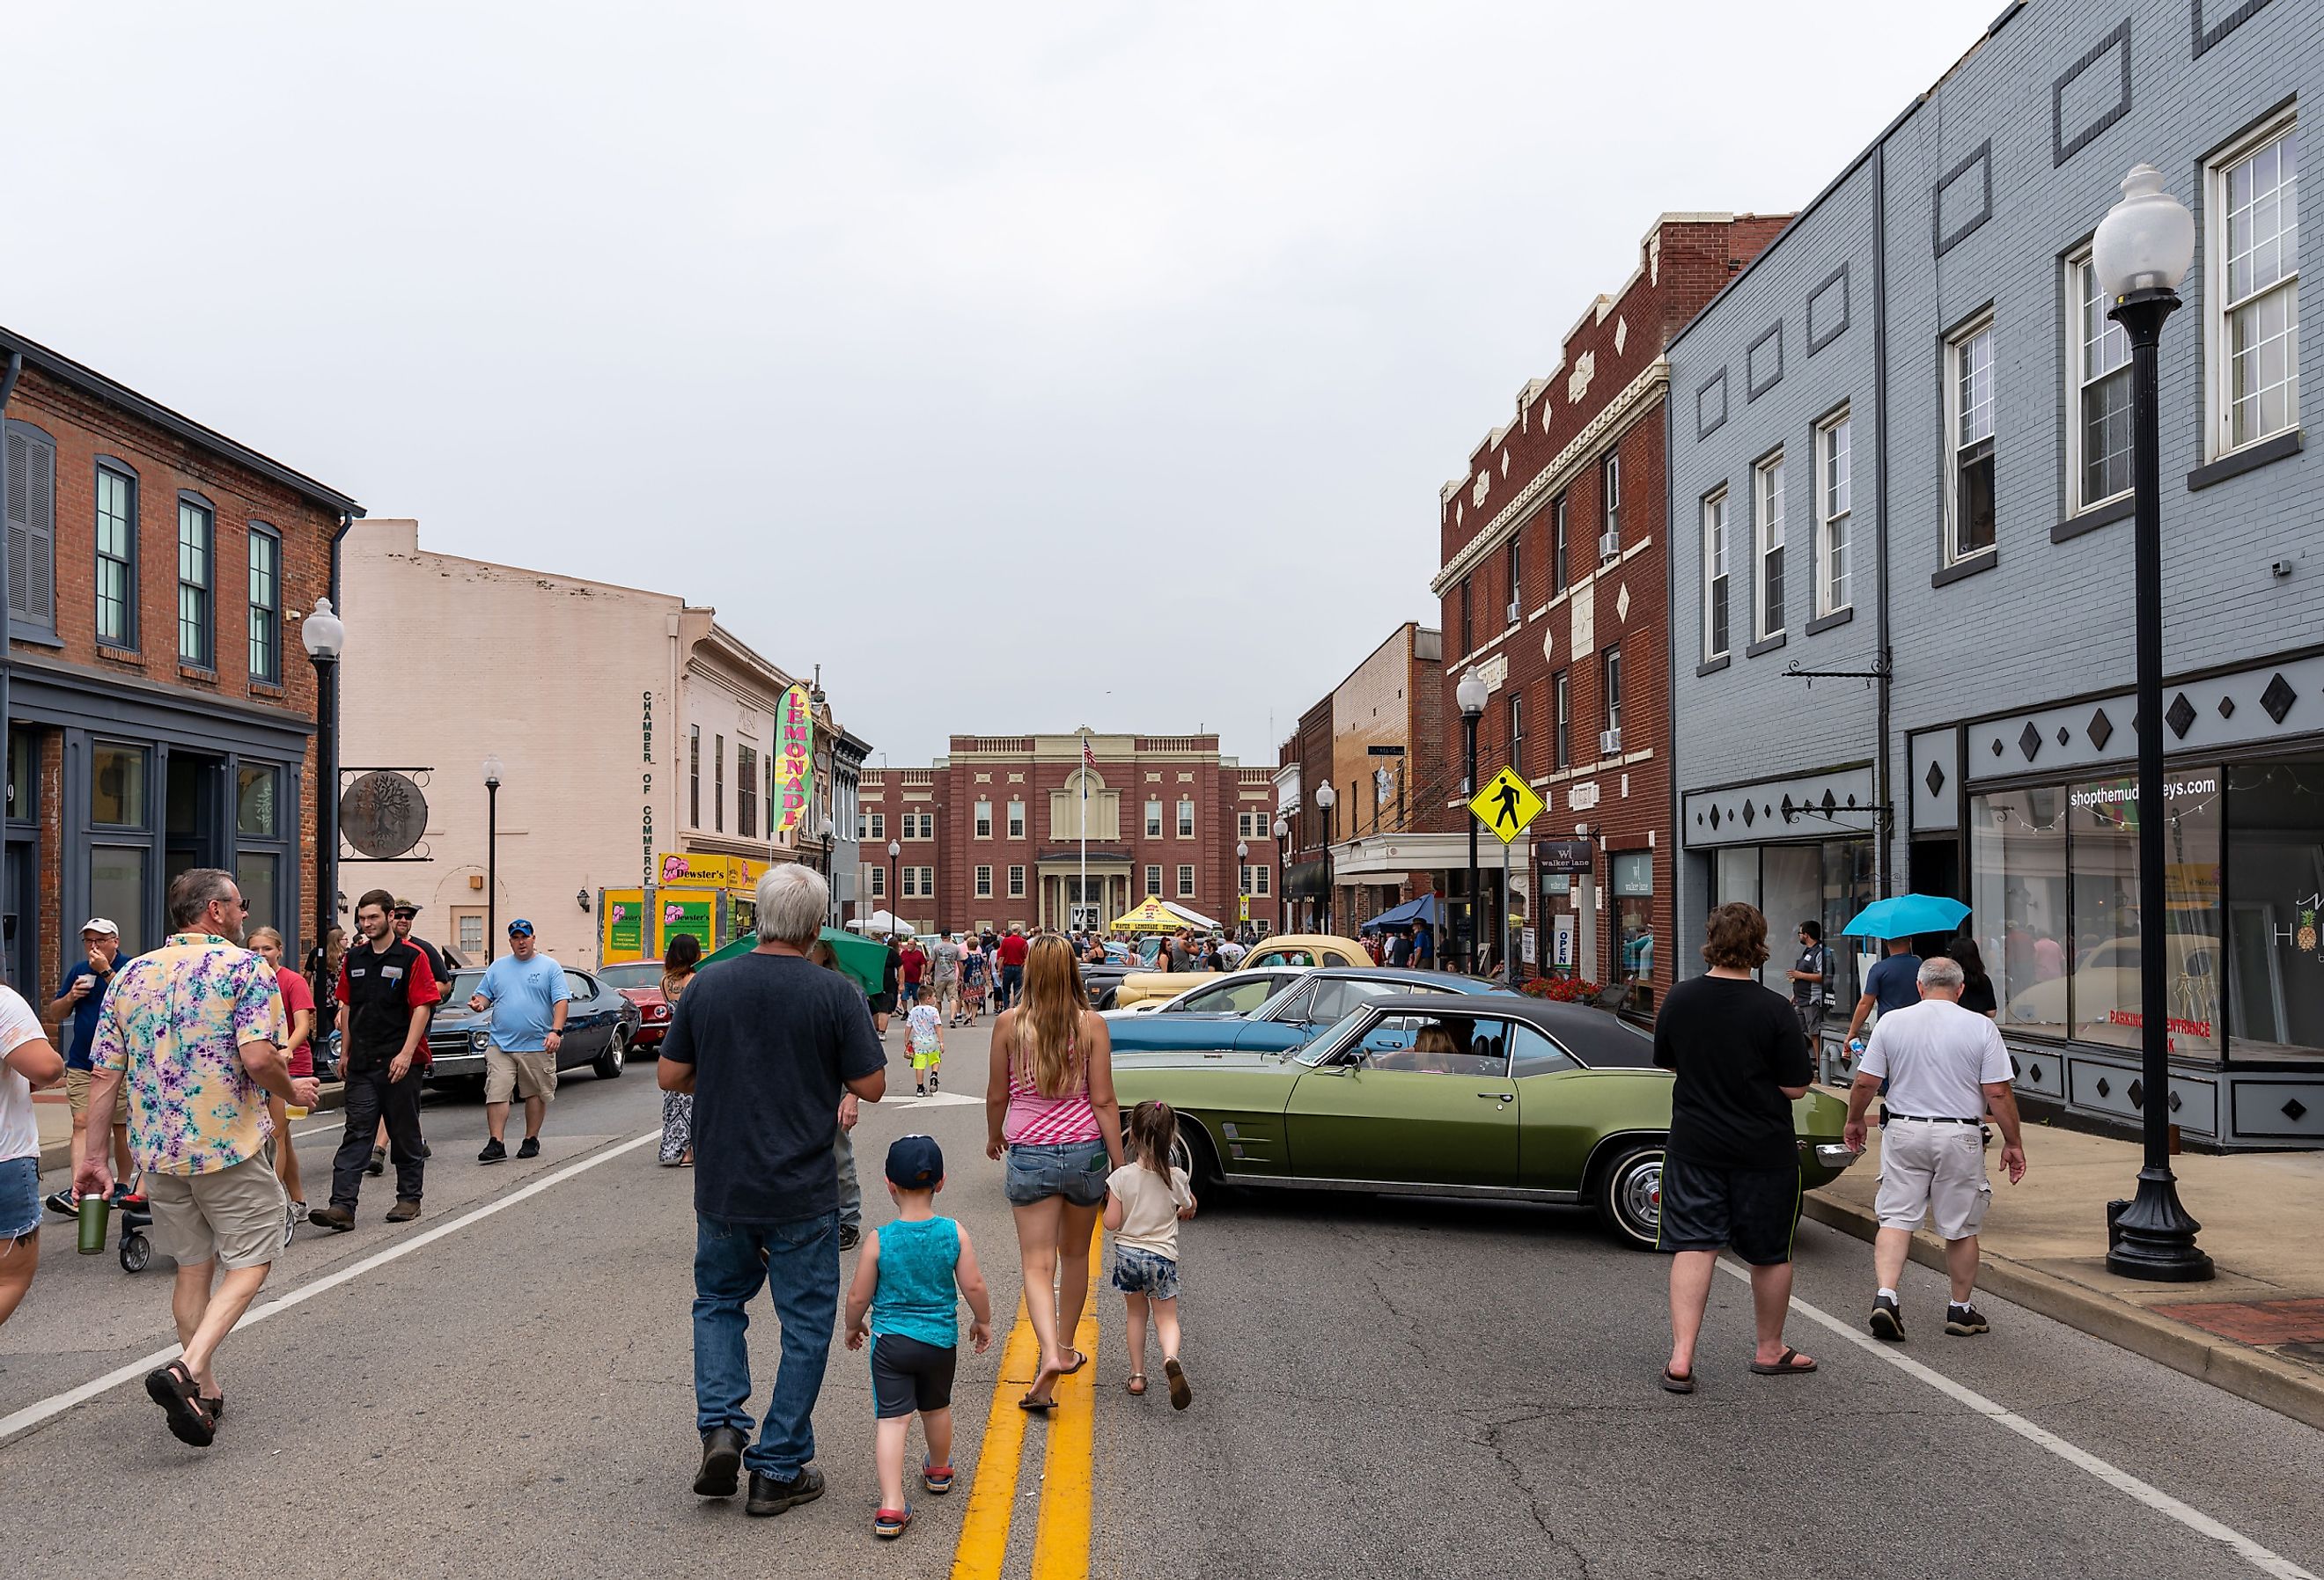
<point x="894" y="850"/>
<point x="1470" y="695"/>
<point x="2141" y="252"/>
<point x="1242" y="885"/>
<point x="1282" y="868"/>
<point x="325" y="636"/>
<point x="492" y="852"/>
<point x="1325" y="796"/>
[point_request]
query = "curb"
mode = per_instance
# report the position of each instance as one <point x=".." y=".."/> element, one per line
<point x="57" y="1155"/>
<point x="2248" y="1373"/>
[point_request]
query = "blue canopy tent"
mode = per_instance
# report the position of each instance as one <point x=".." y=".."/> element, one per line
<point x="1406" y="915"/>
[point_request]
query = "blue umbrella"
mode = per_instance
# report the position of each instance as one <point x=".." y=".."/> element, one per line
<point x="1902" y="915"/>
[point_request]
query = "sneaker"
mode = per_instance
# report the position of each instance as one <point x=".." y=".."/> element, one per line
<point x="921" y="1090"/>
<point x="62" y="1203"/>
<point x="404" y="1210"/>
<point x="290" y="1221"/>
<point x="934" y="1085"/>
<point x="850" y="1237"/>
<point x="494" y="1152"/>
<point x="122" y="1193"/>
<point x="1965" y="1321"/>
<point x="770" y="1496"/>
<point x="338" y="1220"/>
<point x="1887" y="1321"/>
<point x="378" y="1164"/>
<point x="530" y="1148"/>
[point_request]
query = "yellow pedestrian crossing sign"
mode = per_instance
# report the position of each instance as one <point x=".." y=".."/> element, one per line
<point x="1505" y="805"/>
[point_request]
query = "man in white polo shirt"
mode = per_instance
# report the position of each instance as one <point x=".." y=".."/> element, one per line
<point x="1945" y="1066"/>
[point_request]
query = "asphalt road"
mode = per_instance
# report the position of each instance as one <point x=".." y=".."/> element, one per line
<point x="1382" y="1389"/>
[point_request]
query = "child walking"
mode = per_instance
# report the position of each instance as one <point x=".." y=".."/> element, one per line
<point x="925" y="1042"/>
<point x="905" y="1280"/>
<point x="1146" y="1198"/>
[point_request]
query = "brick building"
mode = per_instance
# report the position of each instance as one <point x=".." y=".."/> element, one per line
<point x="160" y="708"/>
<point x="990" y="835"/>
<point x="1554" y="589"/>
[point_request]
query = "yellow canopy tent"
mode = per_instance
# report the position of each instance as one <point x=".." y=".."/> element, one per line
<point x="1148" y="916"/>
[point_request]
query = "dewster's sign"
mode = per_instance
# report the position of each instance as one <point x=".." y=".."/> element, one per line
<point x="794" y="766"/>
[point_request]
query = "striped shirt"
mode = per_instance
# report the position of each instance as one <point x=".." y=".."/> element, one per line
<point x="1035" y="1121"/>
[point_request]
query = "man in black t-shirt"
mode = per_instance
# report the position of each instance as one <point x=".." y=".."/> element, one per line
<point x="766" y="1043"/>
<point x="1731" y="1171"/>
<point x="1811" y="981"/>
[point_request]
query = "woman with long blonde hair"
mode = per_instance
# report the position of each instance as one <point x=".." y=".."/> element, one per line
<point x="1049" y="1109"/>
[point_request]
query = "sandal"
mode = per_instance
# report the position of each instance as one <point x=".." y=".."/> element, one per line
<point x="1039" y="1407"/>
<point x="1674" y="1383"/>
<point x="936" y="1478"/>
<point x="172" y="1387"/>
<point x="1783" y="1366"/>
<point x="1137" y="1383"/>
<point x="888" y="1524"/>
<point x="216" y="1408"/>
<point x="1080" y="1361"/>
<point x="1181" y="1396"/>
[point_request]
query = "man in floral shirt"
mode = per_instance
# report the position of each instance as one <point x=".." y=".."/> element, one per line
<point x="194" y="1031"/>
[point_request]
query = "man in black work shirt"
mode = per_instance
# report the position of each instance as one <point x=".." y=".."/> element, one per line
<point x="1732" y="1170"/>
<point x="386" y="989"/>
<point x="403" y="914"/>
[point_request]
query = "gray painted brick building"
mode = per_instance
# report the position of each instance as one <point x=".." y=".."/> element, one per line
<point x="1899" y="442"/>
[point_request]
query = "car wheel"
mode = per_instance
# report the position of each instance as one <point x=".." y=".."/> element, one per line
<point x="1629" y="1196"/>
<point x="609" y="1063"/>
<point x="1192" y="1151"/>
<point x="1109" y="999"/>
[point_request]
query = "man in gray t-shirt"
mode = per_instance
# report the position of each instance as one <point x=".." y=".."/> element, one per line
<point x="944" y="968"/>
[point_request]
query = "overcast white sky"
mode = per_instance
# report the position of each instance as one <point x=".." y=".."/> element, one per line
<point x="1026" y="366"/>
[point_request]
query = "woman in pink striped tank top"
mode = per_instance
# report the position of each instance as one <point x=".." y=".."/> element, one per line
<point x="1049" y="1109"/>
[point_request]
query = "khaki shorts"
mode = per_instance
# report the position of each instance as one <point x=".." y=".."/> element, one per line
<point x="236" y="1215"/>
<point x="1935" y="1171"/>
<point x="526" y="1074"/>
<point x="77" y="1090"/>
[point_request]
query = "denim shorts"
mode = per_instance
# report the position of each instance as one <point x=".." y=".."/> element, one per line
<point x="1075" y="1170"/>
<point x="20" y="1198"/>
<point x="1145" y="1272"/>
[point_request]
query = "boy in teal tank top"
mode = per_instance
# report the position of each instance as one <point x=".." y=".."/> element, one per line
<point x="908" y="1280"/>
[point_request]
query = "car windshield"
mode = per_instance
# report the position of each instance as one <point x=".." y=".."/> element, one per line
<point x="1319" y="1047"/>
<point x="464" y="988"/>
<point x="642" y="973"/>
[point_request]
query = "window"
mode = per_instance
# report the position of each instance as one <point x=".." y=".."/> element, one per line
<point x="985" y="819"/>
<point x="255" y="813"/>
<point x="30" y="456"/>
<point x="1153" y="819"/>
<point x="258" y="874"/>
<point x="266" y="604"/>
<point x="1186" y="818"/>
<point x="469" y="930"/>
<point x="1517" y="730"/>
<point x="863" y="824"/>
<point x="984" y="883"/>
<point x="1516" y="598"/>
<point x="1016" y="882"/>
<point x="1185" y="881"/>
<point x="1154" y="880"/>
<point x="1611" y="676"/>
<point x="1261" y="880"/>
<point x="117" y="786"/>
<point x="116" y="889"/>
<point x="1468" y="627"/>
<point x="1767" y="549"/>
<point x="1714" y="575"/>
<point x="2256" y="246"/>
<point x="117" y="558"/>
<point x="197" y="537"/>
<point x="1835" y="491"/>
<point x="878" y="887"/>
<point x="879" y="824"/>
<point x="746" y="792"/>
<point x="1557" y="541"/>
<point x="719" y="784"/>
<point x="1609" y="536"/>
<point x="1562" y="688"/>
<point x="1016" y="819"/>
<point x="2097" y="428"/>
<point x="919" y="825"/>
<point x="1969" y="422"/>
<point x="694" y="776"/>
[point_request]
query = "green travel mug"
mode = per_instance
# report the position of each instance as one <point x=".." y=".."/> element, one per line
<point x="95" y="1209"/>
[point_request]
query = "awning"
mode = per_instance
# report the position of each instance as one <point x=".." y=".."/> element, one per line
<point x="1304" y="880"/>
<point x="1411" y="911"/>
<point x="1190" y="916"/>
<point x="1149" y="915"/>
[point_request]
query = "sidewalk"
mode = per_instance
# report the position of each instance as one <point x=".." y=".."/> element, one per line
<point x="2256" y="1330"/>
<point x="55" y="1122"/>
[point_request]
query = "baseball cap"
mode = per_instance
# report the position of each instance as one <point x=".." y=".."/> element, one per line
<point x="402" y="905"/>
<point x="97" y="924"/>
<point x="520" y="929"/>
<point x="915" y="1162"/>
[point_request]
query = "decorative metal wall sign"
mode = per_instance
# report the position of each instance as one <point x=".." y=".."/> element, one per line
<point x="382" y="813"/>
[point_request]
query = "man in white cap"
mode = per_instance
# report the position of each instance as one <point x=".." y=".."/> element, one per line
<point x="74" y="1013"/>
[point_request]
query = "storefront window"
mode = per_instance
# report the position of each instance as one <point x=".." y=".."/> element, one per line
<point x="255" y="815"/>
<point x="2110" y="915"/>
<point x="117" y="786"/>
<point x="1848" y="877"/>
<point x="2275" y="898"/>
<point x="1633" y="900"/>
<point x="256" y="873"/>
<point x="117" y="890"/>
<point x="1791" y="877"/>
<point x="23" y="774"/>
<point x="1738" y="878"/>
<point x="2018" y="904"/>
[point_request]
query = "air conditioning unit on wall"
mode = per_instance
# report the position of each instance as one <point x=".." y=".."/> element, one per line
<point x="1609" y="742"/>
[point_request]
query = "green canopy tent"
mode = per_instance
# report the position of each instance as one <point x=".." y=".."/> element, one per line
<point x="862" y="959"/>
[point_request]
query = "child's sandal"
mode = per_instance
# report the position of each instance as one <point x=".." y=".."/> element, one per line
<point x="1137" y="1383"/>
<point x="936" y="1478"/>
<point x="888" y="1524"/>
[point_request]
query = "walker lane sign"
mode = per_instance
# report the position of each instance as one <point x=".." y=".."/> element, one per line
<point x="1505" y="805"/>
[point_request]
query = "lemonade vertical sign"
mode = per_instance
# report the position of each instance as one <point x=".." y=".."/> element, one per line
<point x="794" y="765"/>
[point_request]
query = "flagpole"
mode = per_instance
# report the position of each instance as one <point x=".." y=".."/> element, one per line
<point x="1083" y="898"/>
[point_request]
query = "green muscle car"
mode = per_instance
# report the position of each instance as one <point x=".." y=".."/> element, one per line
<point x="1489" y="1094"/>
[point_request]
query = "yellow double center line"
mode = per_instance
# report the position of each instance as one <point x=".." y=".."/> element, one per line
<point x="1061" y="1535"/>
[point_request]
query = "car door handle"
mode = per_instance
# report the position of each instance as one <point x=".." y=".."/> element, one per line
<point x="1499" y="1096"/>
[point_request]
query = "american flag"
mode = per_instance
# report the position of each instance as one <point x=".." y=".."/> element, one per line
<point x="1089" y="765"/>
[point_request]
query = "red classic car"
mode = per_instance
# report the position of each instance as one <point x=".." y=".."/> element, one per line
<point x="640" y="983"/>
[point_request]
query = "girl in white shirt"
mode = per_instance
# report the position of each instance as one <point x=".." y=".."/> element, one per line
<point x="1146" y="1198"/>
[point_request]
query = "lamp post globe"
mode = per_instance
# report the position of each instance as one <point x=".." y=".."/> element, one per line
<point x="894" y="850"/>
<point x="325" y="635"/>
<point x="2141" y="252"/>
<point x="1282" y="866"/>
<point x="323" y="632"/>
<point x="1470" y="694"/>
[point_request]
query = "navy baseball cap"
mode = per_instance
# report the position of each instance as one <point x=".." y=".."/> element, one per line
<point x="520" y="929"/>
<point x="915" y="1162"/>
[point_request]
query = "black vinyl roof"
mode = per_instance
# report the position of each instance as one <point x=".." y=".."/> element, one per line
<point x="1597" y="1037"/>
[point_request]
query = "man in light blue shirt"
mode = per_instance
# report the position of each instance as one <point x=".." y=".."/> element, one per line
<point x="527" y="994"/>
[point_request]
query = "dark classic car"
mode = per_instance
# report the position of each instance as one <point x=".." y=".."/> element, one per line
<point x="1101" y="981"/>
<point x="1314" y="1000"/>
<point x="601" y="1026"/>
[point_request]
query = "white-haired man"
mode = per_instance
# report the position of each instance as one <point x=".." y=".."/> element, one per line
<point x="766" y="1043"/>
<point x="1944" y="1065"/>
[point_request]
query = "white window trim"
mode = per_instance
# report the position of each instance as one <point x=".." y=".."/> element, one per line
<point x="2078" y="272"/>
<point x="1764" y="541"/>
<point x="1715" y="548"/>
<point x="1185" y="880"/>
<point x="1016" y="882"/>
<point x="2219" y="425"/>
<point x="1826" y="431"/>
<point x="1187" y="818"/>
<point x="1955" y="344"/>
<point x="982" y="825"/>
<point x="984" y="883"/>
<point x="1153" y="819"/>
<point x="1016" y="819"/>
<point x="1154" y="879"/>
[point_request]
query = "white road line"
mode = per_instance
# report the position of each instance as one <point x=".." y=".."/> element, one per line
<point x="33" y="1414"/>
<point x="2262" y="1558"/>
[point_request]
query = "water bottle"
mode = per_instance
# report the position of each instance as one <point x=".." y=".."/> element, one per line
<point x="96" y="1209"/>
